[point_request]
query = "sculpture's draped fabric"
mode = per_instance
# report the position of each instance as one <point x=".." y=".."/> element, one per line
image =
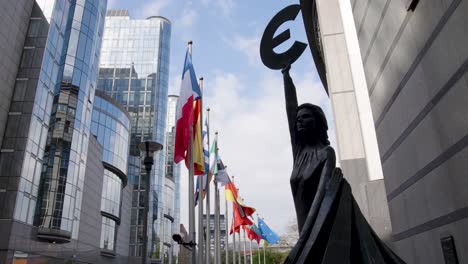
<point x="338" y="232"/>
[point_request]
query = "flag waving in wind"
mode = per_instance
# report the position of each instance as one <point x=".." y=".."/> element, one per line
<point x="217" y="167"/>
<point x="198" y="156"/>
<point x="266" y="233"/>
<point x="241" y="212"/>
<point x="253" y="233"/>
<point x="188" y="115"/>
<point x="189" y="92"/>
<point x="207" y="176"/>
<point x="221" y="175"/>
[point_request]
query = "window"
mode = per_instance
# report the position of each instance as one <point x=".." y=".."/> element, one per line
<point x="28" y="55"/>
<point x="108" y="234"/>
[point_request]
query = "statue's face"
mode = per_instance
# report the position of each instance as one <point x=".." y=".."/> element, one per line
<point x="305" y="120"/>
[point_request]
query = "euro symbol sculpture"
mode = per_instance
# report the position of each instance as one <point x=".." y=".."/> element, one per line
<point x="270" y="58"/>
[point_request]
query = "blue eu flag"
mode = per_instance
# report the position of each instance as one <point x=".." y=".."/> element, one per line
<point x="266" y="233"/>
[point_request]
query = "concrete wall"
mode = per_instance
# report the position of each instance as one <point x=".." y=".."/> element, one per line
<point x="14" y="21"/>
<point x="356" y="140"/>
<point x="123" y="231"/>
<point x="416" y="71"/>
<point x="90" y="222"/>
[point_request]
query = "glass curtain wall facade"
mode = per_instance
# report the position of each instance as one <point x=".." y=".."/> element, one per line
<point x="111" y="126"/>
<point x="75" y="36"/>
<point x="134" y="70"/>
<point x="172" y="185"/>
<point x="222" y="228"/>
<point x="60" y="115"/>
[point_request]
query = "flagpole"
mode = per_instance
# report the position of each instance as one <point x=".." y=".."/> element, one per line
<point x="200" y="195"/>
<point x="226" y="241"/>
<point x="251" y="255"/>
<point x="191" y="195"/>
<point x="236" y="251"/>
<point x="217" y="247"/>
<point x="226" y="222"/>
<point x="245" y="254"/>
<point x="208" y="210"/>
<point x="233" y="241"/>
<point x="259" y="252"/>
<point x="239" y="251"/>
<point x="264" y="253"/>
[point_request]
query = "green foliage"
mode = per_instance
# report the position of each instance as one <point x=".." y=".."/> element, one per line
<point x="157" y="252"/>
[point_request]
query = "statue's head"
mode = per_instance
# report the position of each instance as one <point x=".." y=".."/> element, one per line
<point x="311" y="124"/>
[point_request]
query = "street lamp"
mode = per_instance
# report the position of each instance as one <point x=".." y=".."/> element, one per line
<point x="147" y="147"/>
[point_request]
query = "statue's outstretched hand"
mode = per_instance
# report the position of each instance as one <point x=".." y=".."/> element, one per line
<point x="286" y="69"/>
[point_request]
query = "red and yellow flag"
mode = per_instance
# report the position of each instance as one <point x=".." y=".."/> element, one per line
<point x="198" y="156"/>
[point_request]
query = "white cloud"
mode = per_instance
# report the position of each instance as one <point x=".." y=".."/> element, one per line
<point x="206" y="2"/>
<point x="248" y="46"/>
<point x="151" y="8"/>
<point x="187" y="17"/>
<point x="254" y="139"/>
<point x="111" y="4"/>
<point x="184" y="22"/>
<point x="226" y="7"/>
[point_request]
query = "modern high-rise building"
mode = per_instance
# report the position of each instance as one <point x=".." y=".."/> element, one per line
<point x="172" y="185"/>
<point x="64" y="98"/>
<point x="111" y="127"/>
<point x="222" y="228"/>
<point x="134" y="70"/>
<point x="408" y="60"/>
<point x="63" y="186"/>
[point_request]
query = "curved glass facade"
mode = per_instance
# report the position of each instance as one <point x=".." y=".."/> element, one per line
<point x="111" y="193"/>
<point x="111" y="125"/>
<point x="172" y="183"/>
<point x="108" y="234"/>
<point x="67" y="84"/>
<point x="134" y="70"/>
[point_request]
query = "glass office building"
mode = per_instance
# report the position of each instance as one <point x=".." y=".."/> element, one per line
<point x="66" y="90"/>
<point x="171" y="194"/>
<point x="111" y="126"/>
<point x="62" y="199"/>
<point x="134" y="70"/>
<point x="222" y="229"/>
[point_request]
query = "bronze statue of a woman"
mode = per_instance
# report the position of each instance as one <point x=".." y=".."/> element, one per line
<point x="332" y="228"/>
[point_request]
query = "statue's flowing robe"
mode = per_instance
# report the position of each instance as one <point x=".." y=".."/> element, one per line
<point x="338" y="232"/>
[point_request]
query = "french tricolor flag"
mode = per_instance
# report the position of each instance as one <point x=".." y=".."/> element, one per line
<point x="189" y="92"/>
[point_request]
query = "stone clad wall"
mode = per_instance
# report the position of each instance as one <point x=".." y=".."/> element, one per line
<point x="357" y="148"/>
<point x="416" y="66"/>
<point x="15" y="14"/>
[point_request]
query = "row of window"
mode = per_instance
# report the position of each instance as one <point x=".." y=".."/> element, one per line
<point x="108" y="233"/>
<point x="146" y="121"/>
<point x="60" y="204"/>
<point x="111" y="193"/>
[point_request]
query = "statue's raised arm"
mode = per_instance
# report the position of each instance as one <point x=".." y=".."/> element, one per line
<point x="291" y="105"/>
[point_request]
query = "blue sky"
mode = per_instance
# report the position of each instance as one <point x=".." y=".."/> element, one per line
<point x="245" y="97"/>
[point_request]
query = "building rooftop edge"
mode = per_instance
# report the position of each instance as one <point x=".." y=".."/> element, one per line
<point x="118" y="12"/>
<point x="160" y="17"/>
<point x="125" y="13"/>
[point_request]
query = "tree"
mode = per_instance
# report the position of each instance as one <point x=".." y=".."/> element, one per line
<point x="292" y="234"/>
